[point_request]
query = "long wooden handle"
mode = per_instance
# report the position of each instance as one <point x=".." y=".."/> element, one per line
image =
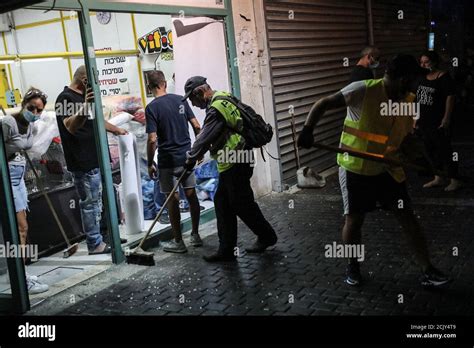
<point x="48" y="201"/>
<point x="374" y="158"/>
<point x="162" y="208"/>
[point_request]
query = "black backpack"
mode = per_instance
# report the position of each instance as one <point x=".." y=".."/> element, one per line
<point x="255" y="131"/>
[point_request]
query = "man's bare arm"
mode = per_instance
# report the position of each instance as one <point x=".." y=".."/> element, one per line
<point x="77" y="121"/>
<point x="319" y="108"/>
<point x="109" y="127"/>
<point x="306" y="138"/>
<point x="151" y="147"/>
<point x="196" y="126"/>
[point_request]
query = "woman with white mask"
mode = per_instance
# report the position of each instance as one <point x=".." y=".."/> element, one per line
<point x="18" y="136"/>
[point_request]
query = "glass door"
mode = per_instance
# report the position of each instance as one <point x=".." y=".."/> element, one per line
<point x="13" y="292"/>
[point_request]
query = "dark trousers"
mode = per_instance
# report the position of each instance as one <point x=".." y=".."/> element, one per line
<point x="439" y="149"/>
<point x="234" y="197"/>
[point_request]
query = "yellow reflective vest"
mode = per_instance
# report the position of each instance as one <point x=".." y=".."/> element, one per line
<point x="374" y="134"/>
<point x="232" y="117"/>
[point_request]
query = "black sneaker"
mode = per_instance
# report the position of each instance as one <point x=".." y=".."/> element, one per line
<point x="218" y="257"/>
<point x="353" y="276"/>
<point x="260" y="246"/>
<point x="434" y="277"/>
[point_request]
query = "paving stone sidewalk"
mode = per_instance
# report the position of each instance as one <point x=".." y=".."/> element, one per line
<point x="295" y="277"/>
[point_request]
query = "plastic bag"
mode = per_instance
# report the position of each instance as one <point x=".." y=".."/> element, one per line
<point x="121" y="103"/>
<point x="139" y="116"/>
<point x="45" y="129"/>
<point x="207" y="188"/>
<point x="207" y="171"/>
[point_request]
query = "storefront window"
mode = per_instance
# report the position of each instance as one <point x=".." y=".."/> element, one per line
<point x="178" y="46"/>
<point x="46" y="51"/>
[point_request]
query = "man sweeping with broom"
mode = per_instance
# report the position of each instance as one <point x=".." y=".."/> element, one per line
<point x="370" y="129"/>
<point x="234" y="196"/>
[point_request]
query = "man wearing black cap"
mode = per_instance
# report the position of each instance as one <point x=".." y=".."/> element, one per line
<point x="375" y="125"/>
<point x="234" y="196"/>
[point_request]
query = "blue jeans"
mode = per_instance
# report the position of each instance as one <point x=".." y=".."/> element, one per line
<point x="20" y="195"/>
<point x="89" y="188"/>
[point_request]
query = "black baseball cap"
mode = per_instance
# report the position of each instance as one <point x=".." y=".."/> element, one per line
<point x="404" y="65"/>
<point x="193" y="83"/>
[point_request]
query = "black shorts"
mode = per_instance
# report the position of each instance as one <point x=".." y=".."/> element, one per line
<point x="361" y="193"/>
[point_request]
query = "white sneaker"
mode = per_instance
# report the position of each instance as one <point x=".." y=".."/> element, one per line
<point x="195" y="240"/>
<point x="174" y="247"/>
<point x="32" y="277"/>
<point x="453" y="185"/>
<point x="35" y="287"/>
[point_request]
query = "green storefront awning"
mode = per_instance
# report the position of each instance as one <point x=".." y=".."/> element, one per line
<point x="10" y="5"/>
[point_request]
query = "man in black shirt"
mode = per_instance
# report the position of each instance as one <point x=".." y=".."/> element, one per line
<point x="77" y="136"/>
<point x="369" y="59"/>
<point x="167" y="124"/>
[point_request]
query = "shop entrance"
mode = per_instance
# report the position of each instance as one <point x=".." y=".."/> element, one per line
<point x="122" y="48"/>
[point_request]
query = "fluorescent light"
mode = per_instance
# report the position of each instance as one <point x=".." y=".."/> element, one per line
<point x="11" y="61"/>
<point x="49" y="59"/>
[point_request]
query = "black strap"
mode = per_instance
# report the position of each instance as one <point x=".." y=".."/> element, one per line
<point x="235" y="102"/>
<point x="268" y="153"/>
<point x="231" y="101"/>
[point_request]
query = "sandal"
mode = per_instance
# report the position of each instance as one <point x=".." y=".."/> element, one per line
<point x="107" y="250"/>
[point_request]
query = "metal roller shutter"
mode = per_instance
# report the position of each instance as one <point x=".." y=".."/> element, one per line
<point x="307" y="55"/>
<point x="393" y="35"/>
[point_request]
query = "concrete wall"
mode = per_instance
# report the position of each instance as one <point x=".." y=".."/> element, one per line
<point x="255" y="82"/>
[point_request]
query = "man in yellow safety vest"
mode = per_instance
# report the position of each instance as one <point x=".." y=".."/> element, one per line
<point x="234" y="196"/>
<point x="379" y="115"/>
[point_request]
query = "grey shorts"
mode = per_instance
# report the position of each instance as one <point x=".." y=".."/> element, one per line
<point x="168" y="177"/>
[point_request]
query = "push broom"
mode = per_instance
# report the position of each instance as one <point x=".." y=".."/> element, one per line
<point x="71" y="248"/>
<point x="378" y="158"/>
<point x="138" y="256"/>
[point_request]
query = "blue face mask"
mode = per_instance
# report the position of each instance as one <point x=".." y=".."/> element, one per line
<point x="30" y="117"/>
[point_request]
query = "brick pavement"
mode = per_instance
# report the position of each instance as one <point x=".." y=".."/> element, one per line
<point x="295" y="278"/>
